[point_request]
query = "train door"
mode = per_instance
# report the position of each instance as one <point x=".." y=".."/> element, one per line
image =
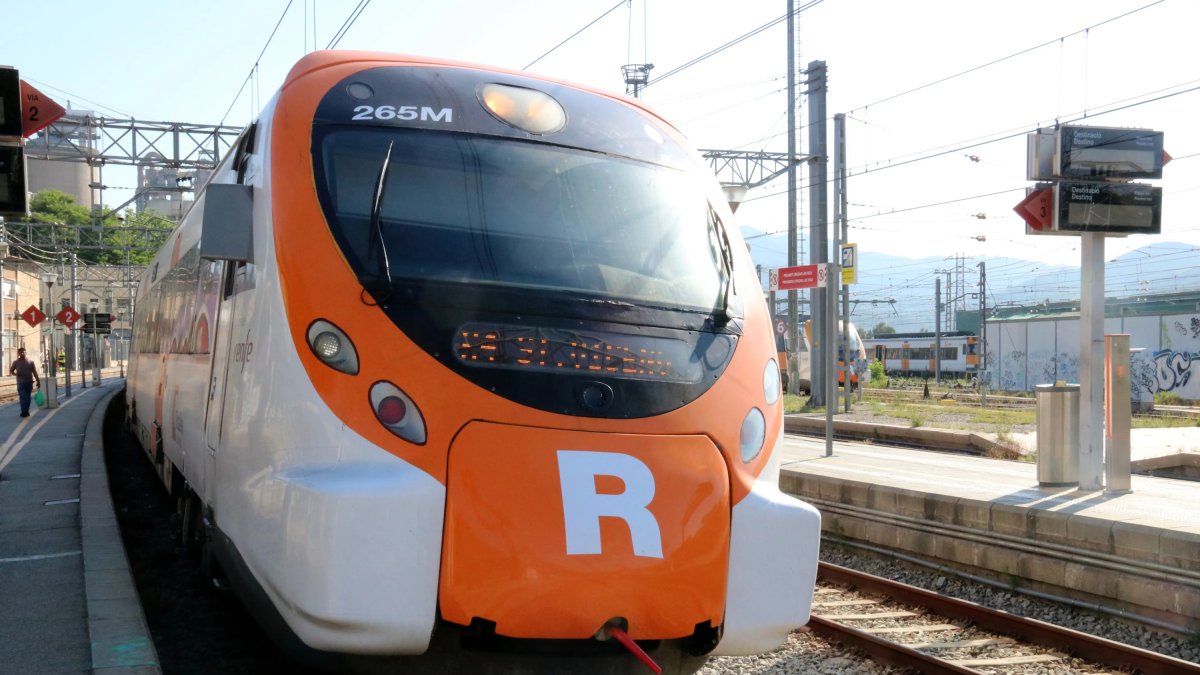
<point x="219" y="376"/>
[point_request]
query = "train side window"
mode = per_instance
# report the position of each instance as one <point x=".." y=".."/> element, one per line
<point x="245" y="148"/>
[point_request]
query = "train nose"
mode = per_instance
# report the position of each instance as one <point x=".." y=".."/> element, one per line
<point x="601" y="525"/>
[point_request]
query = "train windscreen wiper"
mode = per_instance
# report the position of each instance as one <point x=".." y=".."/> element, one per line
<point x="725" y="313"/>
<point x="375" y="228"/>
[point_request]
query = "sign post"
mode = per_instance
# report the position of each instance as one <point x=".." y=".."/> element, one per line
<point x="1086" y="192"/>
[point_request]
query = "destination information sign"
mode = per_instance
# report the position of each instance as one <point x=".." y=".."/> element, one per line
<point x="1125" y="208"/>
<point x="1099" y="153"/>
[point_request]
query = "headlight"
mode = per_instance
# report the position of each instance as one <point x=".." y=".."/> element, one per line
<point x="754" y="431"/>
<point x="771" y="382"/>
<point x="333" y="347"/>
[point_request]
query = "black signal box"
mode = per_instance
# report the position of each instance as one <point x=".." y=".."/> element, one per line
<point x="10" y="104"/>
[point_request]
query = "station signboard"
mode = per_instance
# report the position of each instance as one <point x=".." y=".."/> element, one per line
<point x="1115" y="208"/>
<point x="797" y="277"/>
<point x="1109" y="153"/>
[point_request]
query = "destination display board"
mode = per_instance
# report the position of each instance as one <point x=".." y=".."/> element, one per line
<point x="1102" y="153"/>
<point x="1118" y="208"/>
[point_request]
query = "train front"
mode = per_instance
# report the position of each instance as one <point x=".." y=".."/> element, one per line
<point x="551" y="314"/>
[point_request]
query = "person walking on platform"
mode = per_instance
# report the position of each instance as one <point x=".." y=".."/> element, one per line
<point x="27" y="375"/>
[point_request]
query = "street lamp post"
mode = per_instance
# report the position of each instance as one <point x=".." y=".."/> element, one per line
<point x="50" y="383"/>
<point x="125" y="353"/>
<point x="94" y="305"/>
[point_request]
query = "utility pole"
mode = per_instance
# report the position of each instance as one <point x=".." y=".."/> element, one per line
<point x="937" y="323"/>
<point x="793" y="341"/>
<point x="841" y="207"/>
<point x="983" y="335"/>
<point x="822" y="332"/>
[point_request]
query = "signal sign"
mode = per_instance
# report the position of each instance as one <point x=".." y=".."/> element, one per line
<point x="68" y="316"/>
<point x="1037" y="209"/>
<point x="96" y="322"/>
<point x="33" y="316"/>
<point x="38" y="111"/>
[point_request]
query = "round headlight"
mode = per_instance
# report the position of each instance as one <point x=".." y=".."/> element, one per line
<point x="332" y="346"/>
<point x="754" y="431"/>
<point x="771" y="382"/>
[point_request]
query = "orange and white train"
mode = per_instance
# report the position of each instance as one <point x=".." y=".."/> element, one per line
<point x="450" y="359"/>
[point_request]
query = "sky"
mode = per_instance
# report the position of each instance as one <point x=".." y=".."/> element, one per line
<point x="939" y="94"/>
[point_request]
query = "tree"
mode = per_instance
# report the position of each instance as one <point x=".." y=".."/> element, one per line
<point x="135" y="240"/>
<point x="58" y="223"/>
<point x="880" y="328"/>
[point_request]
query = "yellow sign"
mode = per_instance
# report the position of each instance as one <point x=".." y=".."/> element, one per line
<point x="849" y="263"/>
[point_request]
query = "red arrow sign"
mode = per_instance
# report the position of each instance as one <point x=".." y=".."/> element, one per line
<point x="1037" y="209"/>
<point x="68" y="316"/>
<point x="33" y="316"/>
<point x="38" y="110"/>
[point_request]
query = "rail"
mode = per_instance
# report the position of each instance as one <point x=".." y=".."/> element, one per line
<point x="975" y="636"/>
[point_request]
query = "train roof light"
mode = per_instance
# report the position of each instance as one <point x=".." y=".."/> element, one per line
<point x="526" y="109"/>
<point x="333" y="347"/>
<point x="397" y="412"/>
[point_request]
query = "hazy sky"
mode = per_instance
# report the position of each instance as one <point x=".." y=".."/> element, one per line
<point x="1059" y="60"/>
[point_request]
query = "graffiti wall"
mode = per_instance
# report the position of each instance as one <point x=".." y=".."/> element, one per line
<point x="1166" y="353"/>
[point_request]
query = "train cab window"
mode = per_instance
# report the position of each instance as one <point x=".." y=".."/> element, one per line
<point x="490" y="211"/>
<point x="245" y="148"/>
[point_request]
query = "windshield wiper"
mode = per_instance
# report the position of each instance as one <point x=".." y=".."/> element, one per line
<point x="724" y="313"/>
<point x="375" y="229"/>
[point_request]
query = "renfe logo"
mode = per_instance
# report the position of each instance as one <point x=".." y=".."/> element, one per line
<point x="583" y="506"/>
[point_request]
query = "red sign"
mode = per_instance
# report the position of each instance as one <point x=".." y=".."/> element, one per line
<point x="68" y="316"/>
<point x="33" y="316"/>
<point x="1037" y="209"/>
<point x="790" y="278"/>
<point x="38" y="110"/>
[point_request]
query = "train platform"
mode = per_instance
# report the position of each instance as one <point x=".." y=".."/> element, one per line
<point x="67" y="599"/>
<point x="1137" y="551"/>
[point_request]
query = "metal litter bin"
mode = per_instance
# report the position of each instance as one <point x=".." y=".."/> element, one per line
<point x="1057" y="434"/>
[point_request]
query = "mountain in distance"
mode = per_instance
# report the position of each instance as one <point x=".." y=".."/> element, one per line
<point x="1162" y="267"/>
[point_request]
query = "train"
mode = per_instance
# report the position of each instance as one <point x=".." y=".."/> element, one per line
<point x="912" y="354"/>
<point x="450" y="364"/>
<point x="802" y="358"/>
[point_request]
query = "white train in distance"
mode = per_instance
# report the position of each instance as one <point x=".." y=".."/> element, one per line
<point x="912" y="354"/>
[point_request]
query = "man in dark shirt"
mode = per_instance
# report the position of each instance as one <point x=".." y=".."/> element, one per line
<point x="27" y="374"/>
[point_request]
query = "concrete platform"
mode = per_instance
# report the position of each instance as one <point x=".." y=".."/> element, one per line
<point x="67" y="599"/>
<point x="1138" y="551"/>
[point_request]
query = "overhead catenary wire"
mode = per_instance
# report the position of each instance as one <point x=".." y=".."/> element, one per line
<point x="348" y="23"/>
<point x="1085" y="31"/>
<point x="254" y="68"/>
<point x="573" y="35"/>
<point x="731" y="43"/>
<point x="1005" y="58"/>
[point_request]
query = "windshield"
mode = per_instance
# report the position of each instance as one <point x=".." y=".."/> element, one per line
<point x="484" y="210"/>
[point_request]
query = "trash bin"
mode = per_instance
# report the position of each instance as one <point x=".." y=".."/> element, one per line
<point x="1057" y="434"/>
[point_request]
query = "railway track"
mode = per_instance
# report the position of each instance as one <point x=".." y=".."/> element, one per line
<point x="907" y="627"/>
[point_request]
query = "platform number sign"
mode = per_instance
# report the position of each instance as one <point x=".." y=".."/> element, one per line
<point x="68" y="316"/>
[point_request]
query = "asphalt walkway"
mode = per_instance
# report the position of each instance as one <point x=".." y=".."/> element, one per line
<point x="67" y="599"/>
